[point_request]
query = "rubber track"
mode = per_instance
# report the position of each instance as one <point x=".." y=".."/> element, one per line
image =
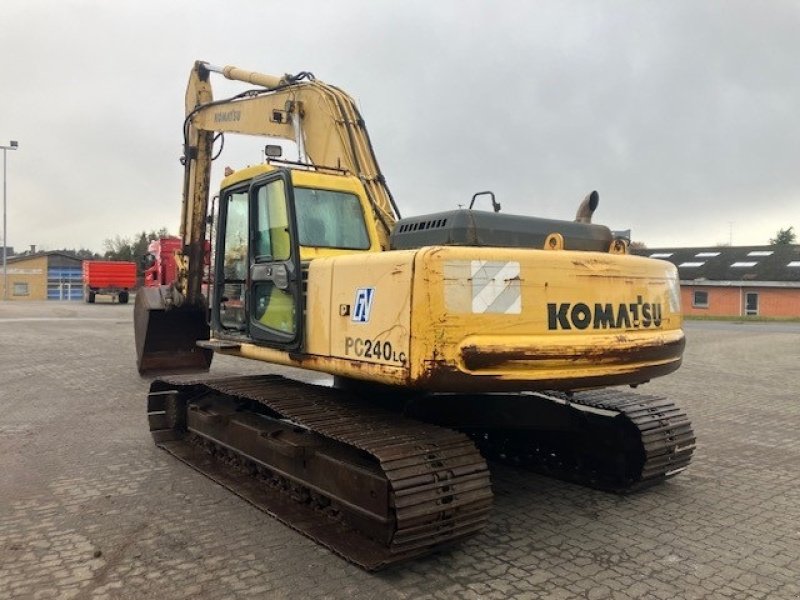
<point x="666" y="440"/>
<point x="441" y="491"/>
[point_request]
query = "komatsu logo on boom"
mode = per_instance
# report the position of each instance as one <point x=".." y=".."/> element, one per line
<point x="636" y="315"/>
<point x="228" y="115"/>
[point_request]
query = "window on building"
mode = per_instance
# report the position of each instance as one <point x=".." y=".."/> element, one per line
<point x="744" y="264"/>
<point x="661" y="255"/>
<point x="692" y="264"/>
<point x="707" y="254"/>
<point x="751" y="303"/>
<point x="700" y="299"/>
<point x="760" y="253"/>
<point x="20" y="289"/>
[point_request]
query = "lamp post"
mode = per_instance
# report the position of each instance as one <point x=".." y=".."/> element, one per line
<point x="12" y="145"/>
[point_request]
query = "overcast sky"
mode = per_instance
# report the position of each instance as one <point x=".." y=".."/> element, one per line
<point x="685" y="116"/>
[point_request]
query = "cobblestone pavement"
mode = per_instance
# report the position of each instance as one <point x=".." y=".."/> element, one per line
<point x="90" y="509"/>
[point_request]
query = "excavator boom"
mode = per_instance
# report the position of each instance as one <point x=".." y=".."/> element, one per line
<point x="328" y="129"/>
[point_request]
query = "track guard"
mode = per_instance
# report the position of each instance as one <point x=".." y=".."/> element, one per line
<point x="166" y="335"/>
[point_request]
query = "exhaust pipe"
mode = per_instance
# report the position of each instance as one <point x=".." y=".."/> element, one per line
<point x="587" y="208"/>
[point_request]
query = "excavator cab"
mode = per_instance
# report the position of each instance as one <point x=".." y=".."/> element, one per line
<point x="271" y="223"/>
<point x="259" y="291"/>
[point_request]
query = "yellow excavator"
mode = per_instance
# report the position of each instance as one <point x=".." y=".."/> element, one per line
<point x="453" y="338"/>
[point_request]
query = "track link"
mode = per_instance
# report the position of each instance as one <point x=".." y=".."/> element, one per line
<point x="625" y="441"/>
<point x="438" y="484"/>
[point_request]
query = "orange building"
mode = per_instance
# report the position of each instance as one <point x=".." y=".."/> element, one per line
<point x="734" y="281"/>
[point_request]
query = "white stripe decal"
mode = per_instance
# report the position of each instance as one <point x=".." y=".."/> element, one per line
<point x="496" y="287"/>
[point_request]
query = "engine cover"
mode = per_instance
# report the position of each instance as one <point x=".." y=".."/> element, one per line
<point x="482" y="228"/>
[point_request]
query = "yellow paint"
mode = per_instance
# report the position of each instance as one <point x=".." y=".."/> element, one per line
<point x="333" y="366"/>
<point x="443" y="331"/>
<point x="333" y="131"/>
<point x="390" y="275"/>
<point x="439" y="339"/>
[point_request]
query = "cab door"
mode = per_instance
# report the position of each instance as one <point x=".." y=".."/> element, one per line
<point x="229" y="300"/>
<point x="275" y="301"/>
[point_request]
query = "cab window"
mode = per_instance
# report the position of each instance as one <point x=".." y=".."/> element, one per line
<point x="273" y="308"/>
<point x="329" y="219"/>
<point x="272" y="223"/>
<point x="234" y="262"/>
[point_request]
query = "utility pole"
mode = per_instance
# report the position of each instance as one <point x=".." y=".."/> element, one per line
<point x="11" y="146"/>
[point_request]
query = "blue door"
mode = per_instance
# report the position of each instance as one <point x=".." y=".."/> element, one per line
<point x="65" y="283"/>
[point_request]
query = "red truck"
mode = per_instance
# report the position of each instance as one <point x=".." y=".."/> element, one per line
<point x="109" y="277"/>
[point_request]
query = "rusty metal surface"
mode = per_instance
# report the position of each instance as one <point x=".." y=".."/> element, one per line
<point x="439" y="484"/>
<point x="661" y="352"/>
<point x="441" y="376"/>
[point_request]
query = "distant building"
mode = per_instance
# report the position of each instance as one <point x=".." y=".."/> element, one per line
<point x="43" y="276"/>
<point x="736" y="280"/>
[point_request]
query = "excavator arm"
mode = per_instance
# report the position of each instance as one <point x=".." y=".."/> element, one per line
<point x="328" y="129"/>
<point x="321" y="119"/>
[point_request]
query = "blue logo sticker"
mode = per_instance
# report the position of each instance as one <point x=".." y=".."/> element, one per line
<point x="363" y="304"/>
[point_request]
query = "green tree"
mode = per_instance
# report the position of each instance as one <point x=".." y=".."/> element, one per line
<point x="83" y="253"/>
<point x="132" y="248"/>
<point x="784" y="237"/>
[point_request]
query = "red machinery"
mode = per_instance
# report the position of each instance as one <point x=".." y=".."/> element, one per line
<point x="160" y="265"/>
<point x="110" y="277"/>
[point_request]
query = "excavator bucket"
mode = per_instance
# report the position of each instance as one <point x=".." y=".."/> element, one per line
<point x="166" y="337"/>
